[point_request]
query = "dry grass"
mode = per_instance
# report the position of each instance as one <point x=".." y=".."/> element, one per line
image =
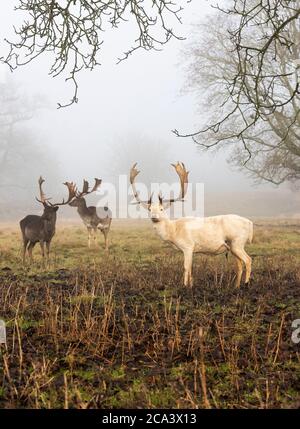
<point x="119" y="330"/>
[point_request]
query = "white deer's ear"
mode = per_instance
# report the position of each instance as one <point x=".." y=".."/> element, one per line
<point x="56" y="208"/>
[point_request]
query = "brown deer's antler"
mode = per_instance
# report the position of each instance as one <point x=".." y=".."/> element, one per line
<point x="133" y="173"/>
<point x="85" y="188"/>
<point x="43" y="199"/>
<point x="96" y="185"/>
<point x="72" y="194"/>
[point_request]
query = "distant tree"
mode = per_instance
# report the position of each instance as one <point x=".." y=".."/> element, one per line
<point x="21" y="158"/>
<point x="73" y="30"/>
<point x="246" y="74"/>
<point x="153" y="157"/>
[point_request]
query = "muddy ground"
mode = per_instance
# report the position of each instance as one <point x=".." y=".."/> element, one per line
<point x="97" y="330"/>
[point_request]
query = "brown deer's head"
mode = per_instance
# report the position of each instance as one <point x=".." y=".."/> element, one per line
<point x="50" y="209"/>
<point x="78" y="198"/>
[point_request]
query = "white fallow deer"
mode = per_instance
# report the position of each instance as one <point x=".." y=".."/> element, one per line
<point x="209" y="235"/>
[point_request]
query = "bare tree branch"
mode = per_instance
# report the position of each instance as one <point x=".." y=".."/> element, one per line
<point x="73" y="31"/>
<point x="246" y="69"/>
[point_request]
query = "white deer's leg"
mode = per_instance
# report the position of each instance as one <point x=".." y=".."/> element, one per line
<point x="239" y="271"/>
<point x="240" y="253"/>
<point x="248" y="270"/>
<point x="248" y="262"/>
<point x="188" y="261"/>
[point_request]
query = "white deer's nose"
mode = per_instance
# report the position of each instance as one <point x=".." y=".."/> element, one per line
<point x="154" y="217"/>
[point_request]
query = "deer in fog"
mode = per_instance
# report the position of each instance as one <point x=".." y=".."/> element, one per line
<point x="41" y="229"/>
<point x="209" y="235"/>
<point x="93" y="217"/>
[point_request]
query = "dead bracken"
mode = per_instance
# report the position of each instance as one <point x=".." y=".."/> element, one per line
<point x="123" y="334"/>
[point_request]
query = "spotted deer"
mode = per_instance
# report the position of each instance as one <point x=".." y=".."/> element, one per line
<point x="209" y="235"/>
<point x="41" y="229"/>
<point x="93" y="217"/>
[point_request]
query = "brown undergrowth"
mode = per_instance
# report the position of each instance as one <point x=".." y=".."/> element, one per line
<point x="119" y="330"/>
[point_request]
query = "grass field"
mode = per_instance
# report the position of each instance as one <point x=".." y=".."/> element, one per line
<point x="120" y="331"/>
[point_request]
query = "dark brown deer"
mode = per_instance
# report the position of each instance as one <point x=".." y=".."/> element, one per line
<point x="41" y="229"/>
<point x="93" y="218"/>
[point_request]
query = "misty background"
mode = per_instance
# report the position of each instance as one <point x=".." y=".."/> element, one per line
<point x="125" y="114"/>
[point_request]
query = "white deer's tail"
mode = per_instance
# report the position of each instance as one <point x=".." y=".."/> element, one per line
<point x="250" y="237"/>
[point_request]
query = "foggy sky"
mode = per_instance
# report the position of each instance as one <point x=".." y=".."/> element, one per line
<point x="140" y="99"/>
